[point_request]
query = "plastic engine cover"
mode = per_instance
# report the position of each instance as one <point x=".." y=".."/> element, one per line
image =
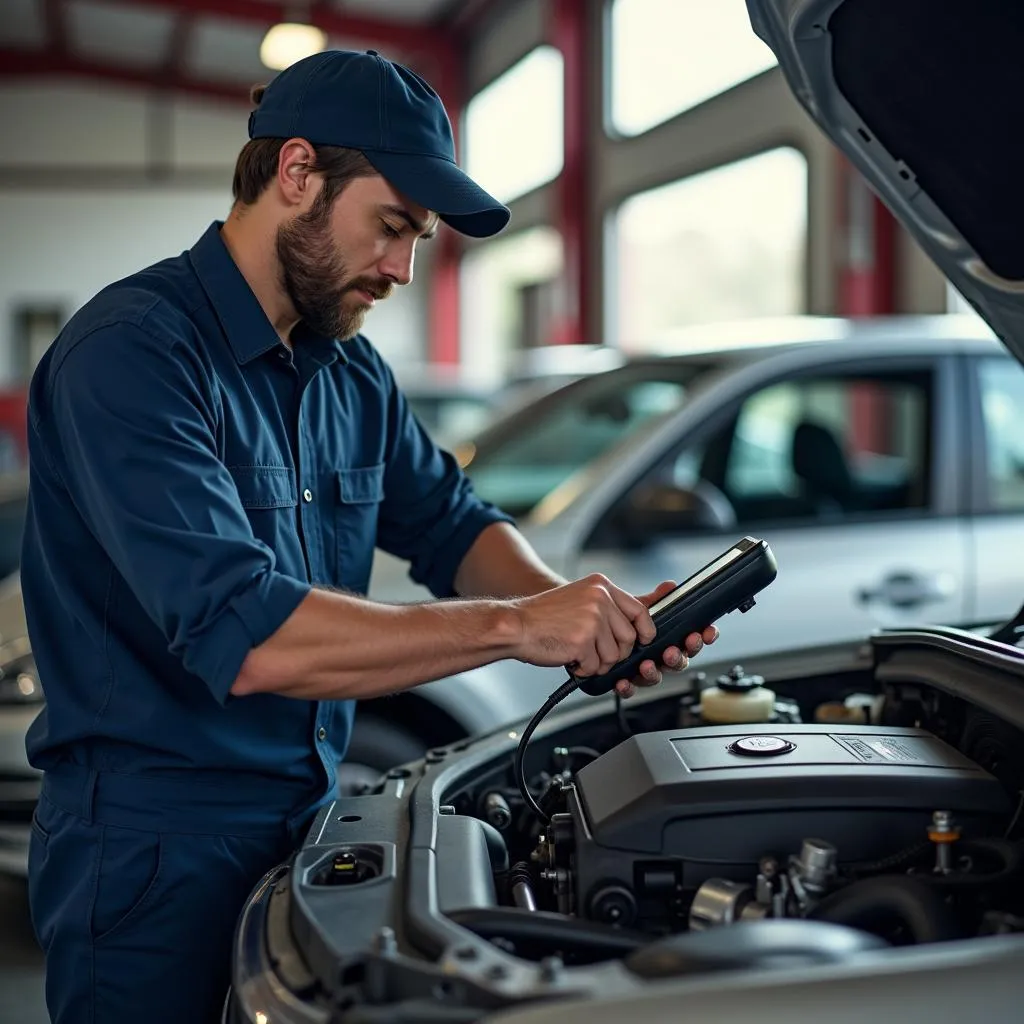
<point x="714" y="800"/>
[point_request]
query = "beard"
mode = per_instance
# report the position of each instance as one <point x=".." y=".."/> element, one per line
<point x="315" y="278"/>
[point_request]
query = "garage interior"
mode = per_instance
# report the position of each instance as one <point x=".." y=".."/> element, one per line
<point x="661" y="177"/>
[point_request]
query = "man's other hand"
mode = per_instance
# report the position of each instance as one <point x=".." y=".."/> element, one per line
<point x="674" y="659"/>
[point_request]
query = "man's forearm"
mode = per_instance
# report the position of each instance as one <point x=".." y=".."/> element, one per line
<point x="502" y="564"/>
<point x="336" y="647"/>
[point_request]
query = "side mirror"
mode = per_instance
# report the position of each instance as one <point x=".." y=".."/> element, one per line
<point x="655" y="511"/>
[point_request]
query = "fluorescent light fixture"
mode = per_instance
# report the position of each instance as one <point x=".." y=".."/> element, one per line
<point x="288" y="42"/>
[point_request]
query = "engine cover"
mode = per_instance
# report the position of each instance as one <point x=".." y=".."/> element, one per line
<point x="662" y="812"/>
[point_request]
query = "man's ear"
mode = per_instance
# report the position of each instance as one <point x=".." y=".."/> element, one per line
<point x="295" y="165"/>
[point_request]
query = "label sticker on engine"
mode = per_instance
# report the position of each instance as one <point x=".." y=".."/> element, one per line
<point x="881" y="748"/>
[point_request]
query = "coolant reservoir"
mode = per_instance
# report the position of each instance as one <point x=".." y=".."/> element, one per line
<point x="737" y="699"/>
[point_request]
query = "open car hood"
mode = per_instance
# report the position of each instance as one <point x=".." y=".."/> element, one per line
<point x="920" y="95"/>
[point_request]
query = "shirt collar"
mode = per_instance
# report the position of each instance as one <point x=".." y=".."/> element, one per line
<point x="248" y="330"/>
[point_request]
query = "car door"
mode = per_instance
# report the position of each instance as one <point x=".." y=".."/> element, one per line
<point x="997" y="394"/>
<point x="845" y="473"/>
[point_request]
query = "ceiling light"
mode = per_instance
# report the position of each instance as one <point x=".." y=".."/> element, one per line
<point x="288" y="42"/>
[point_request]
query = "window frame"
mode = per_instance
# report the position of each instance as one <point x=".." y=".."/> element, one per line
<point x="609" y="126"/>
<point x="949" y="446"/>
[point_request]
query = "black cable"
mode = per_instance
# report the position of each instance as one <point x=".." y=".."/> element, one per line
<point x="620" y="714"/>
<point x="518" y="770"/>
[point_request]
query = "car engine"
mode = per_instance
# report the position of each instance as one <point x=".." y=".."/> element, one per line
<point x="886" y="828"/>
<point x="713" y="825"/>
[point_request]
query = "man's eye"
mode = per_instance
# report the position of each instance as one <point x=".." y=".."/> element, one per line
<point x="390" y="231"/>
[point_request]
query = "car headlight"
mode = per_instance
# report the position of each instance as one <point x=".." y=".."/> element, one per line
<point x="19" y="681"/>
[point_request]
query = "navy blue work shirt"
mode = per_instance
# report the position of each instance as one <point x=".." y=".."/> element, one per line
<point x="190" y="480"/>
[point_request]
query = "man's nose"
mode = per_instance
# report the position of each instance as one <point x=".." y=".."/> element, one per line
<point x="397" y="266"/>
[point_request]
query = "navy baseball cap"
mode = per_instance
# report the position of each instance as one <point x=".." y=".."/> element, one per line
<point x="363" y="101"/>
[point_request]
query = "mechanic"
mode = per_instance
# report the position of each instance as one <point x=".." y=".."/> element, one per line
<point x="215" y="452"/>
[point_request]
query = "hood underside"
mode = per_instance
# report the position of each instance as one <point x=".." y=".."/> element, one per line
<point x="925" y="97"/>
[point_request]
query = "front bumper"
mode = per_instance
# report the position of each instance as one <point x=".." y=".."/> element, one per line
<point x="257" y="994"/>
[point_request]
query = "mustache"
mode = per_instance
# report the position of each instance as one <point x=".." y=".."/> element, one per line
<point x="379" y="289"/>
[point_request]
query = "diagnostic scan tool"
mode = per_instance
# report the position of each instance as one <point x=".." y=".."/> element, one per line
<point x="728" y="583"/>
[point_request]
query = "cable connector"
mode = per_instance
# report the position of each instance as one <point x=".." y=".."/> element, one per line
<point x="518" y="770"/>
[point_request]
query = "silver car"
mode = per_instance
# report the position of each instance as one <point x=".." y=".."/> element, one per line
<point x="883" y="458"/>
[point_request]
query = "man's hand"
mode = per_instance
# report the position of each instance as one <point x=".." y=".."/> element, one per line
<point x="674" y="659"/>
<point x="590" y="624"/>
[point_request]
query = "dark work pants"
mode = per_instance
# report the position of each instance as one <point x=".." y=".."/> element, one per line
<point x="135" y="886"/>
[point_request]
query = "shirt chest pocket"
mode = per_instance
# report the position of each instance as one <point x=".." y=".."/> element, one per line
<point x="358" y="494"/>
<point x="269" y="496"/>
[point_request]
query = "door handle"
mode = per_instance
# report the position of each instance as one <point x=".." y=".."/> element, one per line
<point x="909" y="589"/>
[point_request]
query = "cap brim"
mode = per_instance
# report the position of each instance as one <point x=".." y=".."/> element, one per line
<point x="445" y="188"/>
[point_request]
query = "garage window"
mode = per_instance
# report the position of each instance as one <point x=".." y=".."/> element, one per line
<point x="514" y="137"/>
<point x="726" y="244"/>
<point x="668" y="57"/>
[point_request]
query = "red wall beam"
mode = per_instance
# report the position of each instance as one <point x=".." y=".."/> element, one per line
<point x="866" y="287"/>
<point x="444" y="299"/>
<point x="569" y="34"/>
<point x="47" y="64"/>
<point x="405" y="37"/>
<point x="867" y="256"/>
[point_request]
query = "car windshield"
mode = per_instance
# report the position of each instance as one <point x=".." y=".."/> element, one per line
<point x="518" y="461"/>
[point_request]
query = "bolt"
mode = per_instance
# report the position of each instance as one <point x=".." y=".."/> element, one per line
<point x="385" y="941"/>
<point x="497" y="971"/>
<point x="466" y="953"/>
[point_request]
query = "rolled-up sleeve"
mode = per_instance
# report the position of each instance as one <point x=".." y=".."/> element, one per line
<point x="132" y="416"/>
<point x="430" y="514"/>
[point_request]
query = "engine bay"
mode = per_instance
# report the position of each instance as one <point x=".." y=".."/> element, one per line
<point x="691" y="829"/>
<point x="719" y="826"/>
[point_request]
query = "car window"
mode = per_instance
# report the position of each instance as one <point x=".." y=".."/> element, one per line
<point x="819" y="448"/>
<point x="1002" y="409"/>
<point x="520" y="463"/>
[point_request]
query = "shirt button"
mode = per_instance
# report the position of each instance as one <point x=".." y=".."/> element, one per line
<point x="307" y="495"/>
<point x="321" y="733"/>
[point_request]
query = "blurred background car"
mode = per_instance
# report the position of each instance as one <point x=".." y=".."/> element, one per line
<point x="453" y="405"/>
<point x="880" y="456"/>
<point x="449" y="404"/>
<point x="20" y="693"/>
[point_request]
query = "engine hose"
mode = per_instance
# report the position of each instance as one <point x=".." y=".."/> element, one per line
<point x="902" y="859"/>
<point x="520" y="886"/>
<point x="876" y="904"/>
<point x="546" y="932"/>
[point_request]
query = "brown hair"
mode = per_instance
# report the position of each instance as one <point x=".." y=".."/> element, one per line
<point x="257" y="165"/>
